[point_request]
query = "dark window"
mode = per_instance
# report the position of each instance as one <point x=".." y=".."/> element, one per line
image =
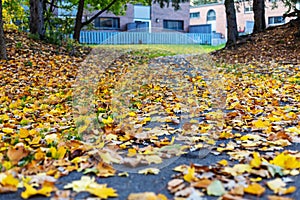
<point x="248" y="9"/>
<point x="173" y="24"/>
<point x="195" y="15"/>
<point x="276" y="20"/>
<point x="107" y="23"/>
<point x="211" y="15"/>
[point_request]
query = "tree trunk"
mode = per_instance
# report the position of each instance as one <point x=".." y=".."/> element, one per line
<point x="36" y="23"/>
<point x="259" y="15"/>
<point x="2" y="39"/>
<point x="78" y="21"/>
<point x="232" y="33"/>
<point x="79" y="24"/>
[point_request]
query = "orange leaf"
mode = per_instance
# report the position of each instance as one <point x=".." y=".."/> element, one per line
<point x="255" y="189"/>
<point x="24" y="133"/>
<point x="256" y="161"/>
<point x="17" y="153"/>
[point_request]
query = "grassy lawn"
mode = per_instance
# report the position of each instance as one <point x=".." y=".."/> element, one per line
<point x="155" y="50"/>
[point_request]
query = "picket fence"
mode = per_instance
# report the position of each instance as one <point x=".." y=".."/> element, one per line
<point x="97" y="37"/>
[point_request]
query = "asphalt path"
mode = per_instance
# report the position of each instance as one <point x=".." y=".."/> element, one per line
<point x="137" y="183"/>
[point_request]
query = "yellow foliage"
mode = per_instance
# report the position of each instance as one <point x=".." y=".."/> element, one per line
<point x="103" y="193"/>
<point x="190" y="175"/>
<point x="286" y="161"/>
<point x="30" y="191"/>
<point x="255" y="189"/>
<point x="58" y="153"/>
<point x="10" y="180"/>
<point x="256" y="161"/>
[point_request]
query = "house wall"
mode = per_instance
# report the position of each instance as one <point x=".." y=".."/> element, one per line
<point x="124" y="19"/>
<point x="219" y="8"/>
<point x="242" y="16"/>
<point x="168" y="13"/>
<point x="157" y="12"/>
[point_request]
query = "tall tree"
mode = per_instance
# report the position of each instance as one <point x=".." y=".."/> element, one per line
<point x="259" y="15"/>
<point x="232" y="32"/>
<point x="116" y="6"/>
<point x="2" y="39"/>
<point x="36" y="23"/>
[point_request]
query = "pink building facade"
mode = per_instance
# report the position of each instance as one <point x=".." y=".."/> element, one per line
<point x="139" y="17"/>
<point x="215" y="15"/>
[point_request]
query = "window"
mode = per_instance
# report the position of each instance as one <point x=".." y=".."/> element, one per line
<point x="275" y="20"/>
<point x="195" y="15"/>
<point x="107" y="23"/>
<point x="173" y="24"/>
<point x="211" y="15"/>
<point x="248" y="9"/>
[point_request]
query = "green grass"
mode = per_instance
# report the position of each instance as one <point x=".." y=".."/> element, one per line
<point x="165" y="50"/>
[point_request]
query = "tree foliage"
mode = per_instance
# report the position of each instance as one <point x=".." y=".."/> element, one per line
<point x="13" y="13"/>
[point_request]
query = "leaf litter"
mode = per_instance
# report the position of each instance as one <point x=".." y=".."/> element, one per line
<point x="42" y="138"/>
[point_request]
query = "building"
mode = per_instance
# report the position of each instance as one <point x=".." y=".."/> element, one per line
<point x="213" y="17"/>
<point x="149" y="18"/>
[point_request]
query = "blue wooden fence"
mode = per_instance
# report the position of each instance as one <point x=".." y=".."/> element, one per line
<point x="97" y="37"/>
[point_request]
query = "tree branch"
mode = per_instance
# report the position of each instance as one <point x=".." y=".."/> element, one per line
<point x="99" y="13"/>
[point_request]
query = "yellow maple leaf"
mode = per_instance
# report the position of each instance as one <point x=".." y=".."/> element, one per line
<point x="82" y="184"/>
<point x="58" y="153"/>
<point x="260" y="124"/>
<point x="286" y="161"/>
<point x="132" y="114"/>
<point x="131" y="152"/>
<point x="7" y="130"/>
<point x="284" y="191"/>
<point x="24" y="133"/>
<point x="223" y="162"/>
<point x="108" y="121"/>
<point x="9" y="180"/>
<point x="30" y="191"/>
<point x="256" y="161"/>
<point x="293" y="130"/>
<point x="255" y="189"/>
<point x="4" y="117"/>
<point x="190" y="175"/>
<point x="39" y="155"/>
<point x="103" y="192"/>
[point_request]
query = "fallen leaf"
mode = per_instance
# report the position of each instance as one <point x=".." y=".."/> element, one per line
<point x="273" y="197"/>
<point x="17" y="153"/>
<point x="216" y="188"/>
<point x="149" y="171"/>
<point x="256" y="161"/>
<point x="146" y="196"/>
<point x="30" y="191"/>
<point x="102" y="192"/>
<point x="190" y="175"/>
<point x="255" y="189"/>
